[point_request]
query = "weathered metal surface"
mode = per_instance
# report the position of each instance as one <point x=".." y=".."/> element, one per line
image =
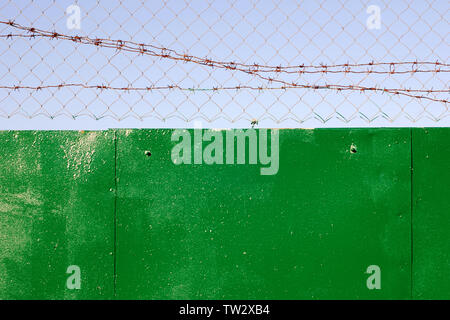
<point x="56" y="210"/>
<point x="431" y="213"/>
<point x="224" y="231"/>
<point x="227" y="232"/>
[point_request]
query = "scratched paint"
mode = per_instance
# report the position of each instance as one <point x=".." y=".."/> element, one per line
<point x="226" y="232"/>
<point x="431" y="214"/>
<point x="56" y="210"/>
<point x="341" y="201"/>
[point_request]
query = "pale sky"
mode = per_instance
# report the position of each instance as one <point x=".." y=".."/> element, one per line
<point x="265" y="32"/>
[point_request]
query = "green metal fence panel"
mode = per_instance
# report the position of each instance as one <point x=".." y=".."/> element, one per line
<point x="56" y="215"/>
<point x="431" y="213"/>
<point x="339" y="204"/>
<point x="224" y="231"/>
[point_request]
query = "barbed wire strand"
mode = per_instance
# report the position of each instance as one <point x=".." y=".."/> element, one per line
<point x="142" y="48"/>
<point x="254" y="69"/>
<point x="338" y="88"/>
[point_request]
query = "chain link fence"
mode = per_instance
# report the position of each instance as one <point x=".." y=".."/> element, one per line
<point x="267" y="62"/>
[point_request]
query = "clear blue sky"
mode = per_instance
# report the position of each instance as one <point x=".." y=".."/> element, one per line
<point x="267" y="31"/>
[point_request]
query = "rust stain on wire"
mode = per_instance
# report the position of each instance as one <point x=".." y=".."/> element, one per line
<point x="256" y="70"/>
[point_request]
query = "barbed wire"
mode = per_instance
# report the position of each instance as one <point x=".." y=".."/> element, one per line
<point x="254" y="69"/>
<point x="143" y="49"/>
<point x="245" y="60"/>
<point x="338" y="88"/>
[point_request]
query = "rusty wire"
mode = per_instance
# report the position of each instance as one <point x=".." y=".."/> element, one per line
<point x="338" y="88"/>
<point x="167" y="53"/>
<point x="260" y="76"/>
<point x="254" y="69"/>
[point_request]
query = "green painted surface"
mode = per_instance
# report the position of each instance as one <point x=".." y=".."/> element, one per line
<point x="431" y="214"/>
<point x="226" y="232"/>
<point x="56" y="210"/>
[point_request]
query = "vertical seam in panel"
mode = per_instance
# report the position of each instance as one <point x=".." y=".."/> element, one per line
<point x="115" y="212"/>
<point x="412" y="206"/>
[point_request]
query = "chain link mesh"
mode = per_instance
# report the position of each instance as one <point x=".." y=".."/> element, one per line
<point x="268" y="61"/>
